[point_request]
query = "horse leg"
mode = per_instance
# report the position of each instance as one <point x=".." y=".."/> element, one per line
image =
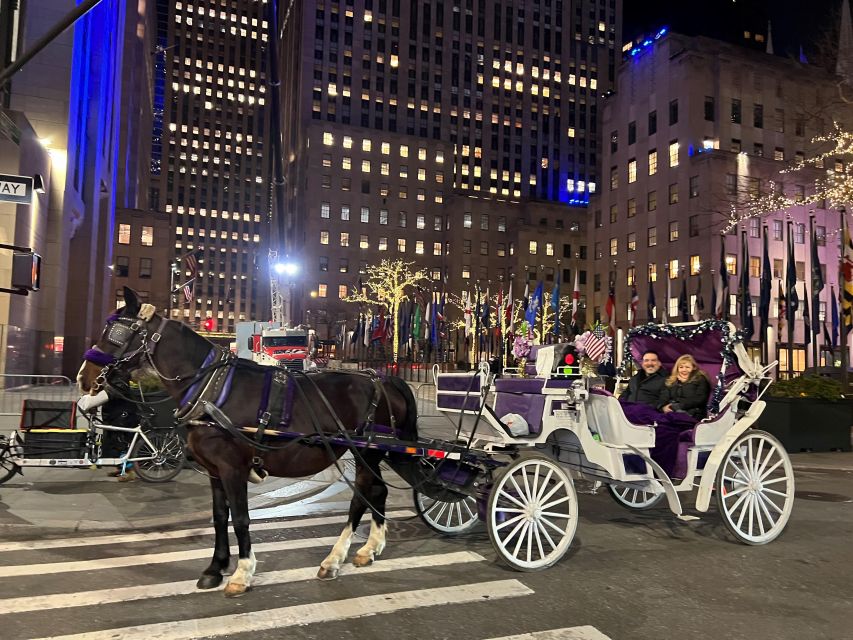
<point x="238" y="498"/>
<point x="331" y="565"/>
<point x="212" y="576"/>
<point x="376" y="541"/>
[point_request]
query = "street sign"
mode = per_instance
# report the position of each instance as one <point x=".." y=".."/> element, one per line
<point x="17" y="189"/>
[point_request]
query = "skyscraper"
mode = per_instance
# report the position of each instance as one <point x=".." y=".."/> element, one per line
<point x="440" y="133"/>
<point x="209" y="163"/>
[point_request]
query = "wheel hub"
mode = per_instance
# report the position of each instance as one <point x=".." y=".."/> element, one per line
<point x="533" y="512"/>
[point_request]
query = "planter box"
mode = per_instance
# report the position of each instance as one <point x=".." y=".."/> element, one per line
<point x="806" y="424"/>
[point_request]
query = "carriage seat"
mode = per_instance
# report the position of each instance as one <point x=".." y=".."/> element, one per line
<point x="606" y="416"/>
<point x="522" y="396"/>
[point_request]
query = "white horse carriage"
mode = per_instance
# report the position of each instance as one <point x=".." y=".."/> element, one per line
<point x="556" y="426"/>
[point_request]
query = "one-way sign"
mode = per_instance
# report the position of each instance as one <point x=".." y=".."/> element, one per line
<point x="18" y="189"/>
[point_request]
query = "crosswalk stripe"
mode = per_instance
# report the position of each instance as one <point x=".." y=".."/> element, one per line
<point x="311" y="613"/>
<point x="585" y="632"/>
<point x="34" y="545"/>
<point x="152" y="558"/>
<point x="187" y="587"/>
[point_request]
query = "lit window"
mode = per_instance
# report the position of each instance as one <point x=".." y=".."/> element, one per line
<point x="695" y="265"/>
<point x="614" y="246"/>
<point x="386" y="148"/>
<point x="421" y="195"/>
<point x="365" y="214"/>
<point x="328" y="139"/>
<point x="653" y="162"/>
<point x="344" y="239"/>
<point x="436" y="248"/>
<point x="147" y="236"/>
<point x="366" y="145"/>
<point x="324" y="209"/>
<point x="383" y="244"/>
<point x="439" y="156"/>
<point x="321" y="290"/>
<point x="673" y="269"/>
<point x="385" y="168"/>
<point x="324" y="237"/>
<point x="421" y="221"/>
<point x="419" y="247"/>
<point x="124" y="234"/>
<point x="401" y="245"/>
<point x="344" y="212"/>
<point x="533" y="247"/>
<point x="632" y="171"/>
<point x="342" y="291"/>
<point x="466" y="272"/>
<point x="365" y="166"/>
<point x="346" y="163"/>
<point x="404" y="151"/>
<point x="422" y="153"/>
<point x="673" y="153"/>
<point x="421" y="174"/>
<point x="347" y="142"/>
<point x="466" y="221"/>
<point x="363" y="242"/>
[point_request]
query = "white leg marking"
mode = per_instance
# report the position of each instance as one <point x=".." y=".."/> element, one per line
<point x="331" y="565"/>
<point x="241" y="579"/>
<point x="374" y="546"/>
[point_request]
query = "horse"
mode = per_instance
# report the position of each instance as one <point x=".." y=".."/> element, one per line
<point x="207" y="380"/>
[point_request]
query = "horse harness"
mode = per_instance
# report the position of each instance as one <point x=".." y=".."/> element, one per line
<point x="210" y="387"/>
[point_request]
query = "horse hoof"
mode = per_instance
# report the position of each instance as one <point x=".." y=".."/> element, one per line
<point x="362" y="561"/>
<point x="327" y="573"/>
<point x="208" y="581"/>
<point x="233" y="590"/>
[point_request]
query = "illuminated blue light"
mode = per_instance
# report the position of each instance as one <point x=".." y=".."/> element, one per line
<point x="647" y="43"/>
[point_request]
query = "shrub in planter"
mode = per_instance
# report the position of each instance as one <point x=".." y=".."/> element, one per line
<point x="808" y="413"/>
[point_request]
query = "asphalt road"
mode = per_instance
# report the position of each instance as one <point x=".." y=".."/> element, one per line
<point x="643" y="576"/>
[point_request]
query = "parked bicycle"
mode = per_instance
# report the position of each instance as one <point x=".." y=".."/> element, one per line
<point x="156" y="453"/>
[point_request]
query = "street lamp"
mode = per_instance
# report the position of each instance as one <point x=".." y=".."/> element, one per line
<point x="289" y="269"/>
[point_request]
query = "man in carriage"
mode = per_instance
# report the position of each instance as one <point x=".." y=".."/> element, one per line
<point x="648" y="383"/>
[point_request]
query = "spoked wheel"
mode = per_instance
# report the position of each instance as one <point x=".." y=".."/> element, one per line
<point x="7" y="467"/>
<point x="447" y="518"/>
<point x="755" y="488"/>
<point x="533" y="513"/>
<point x="634" y="499"/>
<point x="167" y="457"/>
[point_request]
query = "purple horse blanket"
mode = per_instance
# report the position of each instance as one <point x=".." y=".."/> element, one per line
<point x="669" y="427"/>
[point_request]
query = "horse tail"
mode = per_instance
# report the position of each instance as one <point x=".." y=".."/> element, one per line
<point x="408" y="428"/>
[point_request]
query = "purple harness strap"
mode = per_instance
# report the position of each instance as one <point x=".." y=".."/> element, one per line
<point x="190" y="394"/>
<point x="96" y="356"/>
<point x="226" y="388"/>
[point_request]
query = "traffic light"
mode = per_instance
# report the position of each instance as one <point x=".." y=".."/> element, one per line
<point x="209" y="324"/>
<point x="26" y="270"/>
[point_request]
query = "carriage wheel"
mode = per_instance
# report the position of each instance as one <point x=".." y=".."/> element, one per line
<point x="447" y="518"/>
<point x="7" y="467"/>
<point x="634" y="499"/>
<point x="755" y="488"/>
<point x="533" y="513"/>
<point x="167" y="457"/>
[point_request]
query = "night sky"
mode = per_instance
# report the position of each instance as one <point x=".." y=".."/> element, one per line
<point x="811" y="24"/>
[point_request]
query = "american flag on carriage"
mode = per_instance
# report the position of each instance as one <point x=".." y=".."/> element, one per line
<point x="596" y="344"/>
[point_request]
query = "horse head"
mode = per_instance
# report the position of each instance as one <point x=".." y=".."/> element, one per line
<point x="123" y="342"/>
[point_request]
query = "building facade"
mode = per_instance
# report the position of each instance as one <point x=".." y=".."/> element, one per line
<point x="209" y="160"/>
<point x="439" y="133"/>
<point x="695" y="129"/>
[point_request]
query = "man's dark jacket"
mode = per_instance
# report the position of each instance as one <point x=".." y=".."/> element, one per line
<point x="646" y="388"/>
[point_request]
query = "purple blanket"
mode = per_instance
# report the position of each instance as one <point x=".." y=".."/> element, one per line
<point x="669" y="427"/>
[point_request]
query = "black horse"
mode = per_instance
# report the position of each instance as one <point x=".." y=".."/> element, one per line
<point x="202" y="377"/>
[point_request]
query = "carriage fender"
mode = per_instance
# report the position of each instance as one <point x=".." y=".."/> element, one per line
<point x="709" y="473"/>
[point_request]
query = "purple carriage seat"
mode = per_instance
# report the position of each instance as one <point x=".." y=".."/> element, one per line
<point x="530" y="365"/>
<point x="522" y="396"/>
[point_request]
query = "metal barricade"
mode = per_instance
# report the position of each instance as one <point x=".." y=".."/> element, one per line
<point x="15" y="388"/>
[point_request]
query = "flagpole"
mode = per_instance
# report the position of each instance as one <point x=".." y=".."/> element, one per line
<point x="845" y="355"/>
<point x="815" y="310"/>
<point x="790" y="311"/>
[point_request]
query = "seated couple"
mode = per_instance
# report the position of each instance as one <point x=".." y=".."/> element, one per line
<point x="676" y="402"/>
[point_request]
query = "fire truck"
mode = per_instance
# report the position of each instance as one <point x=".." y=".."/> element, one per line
<point x="271" y="344"/>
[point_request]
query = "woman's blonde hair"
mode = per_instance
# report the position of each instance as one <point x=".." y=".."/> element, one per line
<point x="697" y="372"/>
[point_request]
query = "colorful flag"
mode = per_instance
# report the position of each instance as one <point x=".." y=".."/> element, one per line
<point x="190" y="261"/>
<point x="596" y="343"/>
<point x="746" y="321"/>
<point x="791" y="280"/>
<point x="635" y="301"/>
<point x="576" y="298"/>
<point x="782" y="311"/>
<point x="555" y="305"/>
<point x="509" y="309"/>
<point x="722" y="309"/>
<point x="664" y="316"/>
<point x="650" y="303"/>
<point x="610" y="307"/>
<point x="835" y="319"/>
<point x="534" y="305"/>
<point x="847" y="272"/>
<point x="765" y="289"/>
<point x="807" y="322"/>
<point x="188" y="290"/>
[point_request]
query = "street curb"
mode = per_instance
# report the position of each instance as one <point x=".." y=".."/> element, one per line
<point x="820" y="467"/>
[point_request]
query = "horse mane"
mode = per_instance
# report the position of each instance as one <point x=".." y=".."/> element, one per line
<point x="409" y="428"/>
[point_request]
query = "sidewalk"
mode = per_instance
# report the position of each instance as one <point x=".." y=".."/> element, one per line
<point x="63" y="500"/>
